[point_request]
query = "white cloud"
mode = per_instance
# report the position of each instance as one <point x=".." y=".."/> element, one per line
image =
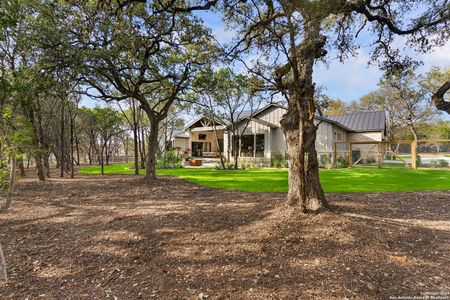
<point x="348" y="80"/>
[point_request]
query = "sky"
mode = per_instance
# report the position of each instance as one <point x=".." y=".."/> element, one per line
<point x="347" y="81"/>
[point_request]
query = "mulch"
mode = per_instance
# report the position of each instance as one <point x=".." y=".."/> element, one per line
<point x="115" y="237"/>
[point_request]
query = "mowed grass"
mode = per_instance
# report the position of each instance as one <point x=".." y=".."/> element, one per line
<point x="274" y="180"/>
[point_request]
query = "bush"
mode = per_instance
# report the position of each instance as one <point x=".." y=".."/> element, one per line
<point x="325" y="161"/>
<point x="277" y="160"/>
<point x="418" y="161"/>
<point x="441" y="163"/>
<point x="370" y="160"/>
<point x="341" y="162"/>
<point x="169" y="160"/>
<point x="228" y="166"/>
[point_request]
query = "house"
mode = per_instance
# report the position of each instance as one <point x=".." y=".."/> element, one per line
<point x="263" y="137"/>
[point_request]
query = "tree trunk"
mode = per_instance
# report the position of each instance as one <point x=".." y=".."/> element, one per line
<point x="304" y="183"/>
<point x="61" y="174"/>
<point x="142" y="149"/>
<point x="72" y="171"/>
<point x="150" y="166"/>
<point x="305" y="190"/>
<point x="101" y="159"/>
<point x="77" y="147"/>
<point x="12" y="181"/>
<point x="21" y="166"/>
<point x="46" y="163"/>
<point x="136" y="150"/>
<point x="39" y="166"/>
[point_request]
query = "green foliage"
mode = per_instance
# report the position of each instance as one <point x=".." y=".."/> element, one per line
<point x="438" y="163"/>
<point x="278" y="160"/>
<point x="228" y="166"/>
<point x="169" y="160"/>
<point x="341" y="162"/>
<point x="325" y="161"/>
<point x="418" y="161"/>
<point x="371" y="160"/>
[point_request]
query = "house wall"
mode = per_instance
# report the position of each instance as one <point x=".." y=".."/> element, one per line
<point x="366" y="136"/>
<point x="210" y="138"/>
<point x="183" y="143"/>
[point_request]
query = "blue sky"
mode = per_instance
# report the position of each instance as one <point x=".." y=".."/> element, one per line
<point x="347" y="81"/>
<point x="352" y="79"/>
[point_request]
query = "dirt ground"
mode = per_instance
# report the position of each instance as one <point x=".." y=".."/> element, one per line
<point x="113" y="237"/>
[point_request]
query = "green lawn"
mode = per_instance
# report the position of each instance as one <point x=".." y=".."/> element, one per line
<point x="271" y="180"/>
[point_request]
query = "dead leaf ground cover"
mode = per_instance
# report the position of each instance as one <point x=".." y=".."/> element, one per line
<point x="112" y="236"/>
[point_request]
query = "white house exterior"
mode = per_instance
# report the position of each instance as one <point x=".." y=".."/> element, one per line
<point x="263" y="137"/>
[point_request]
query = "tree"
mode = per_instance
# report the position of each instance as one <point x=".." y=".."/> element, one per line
<point x="108" y="123"/>
<point x="437" y="84"/>
<point x="143" y="51"/>
<point x="227" y="99"/>
<point x="412" y="107"/>
<point x="290" y="36"/>
<point x="335" y="107"/>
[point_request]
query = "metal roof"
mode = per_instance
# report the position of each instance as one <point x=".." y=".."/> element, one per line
<point x="362" y="121"/>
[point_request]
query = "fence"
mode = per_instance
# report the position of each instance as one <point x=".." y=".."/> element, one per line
<point x="413" y="154"/>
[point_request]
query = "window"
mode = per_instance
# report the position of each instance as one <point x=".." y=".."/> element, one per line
<point x="202" y="136"/>
<point x="259" y="145"/>
<point x="338" y="136"/>
<point x="247" y="145"/>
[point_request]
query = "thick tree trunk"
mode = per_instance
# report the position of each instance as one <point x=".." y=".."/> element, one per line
<point x="304" y="183"/>
<point x="305" y="190"/>
<point x="142" y="149"/>
<point x="150" y="165"/>
<point x="39" y="166"/>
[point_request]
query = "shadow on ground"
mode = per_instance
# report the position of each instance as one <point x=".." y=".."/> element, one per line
<point x="113" y="236"/>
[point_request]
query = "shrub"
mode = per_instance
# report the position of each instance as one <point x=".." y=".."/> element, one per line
<point x="341" y="162"/>
<point x="370" y="160"/>
<point x="227" y="165"/>
<point x="441" y="163"/>
<point x="325" y="161"/>
<point x="277" y="160"/>
<point x="418" y="161"/>
<point x="169" y="160"/>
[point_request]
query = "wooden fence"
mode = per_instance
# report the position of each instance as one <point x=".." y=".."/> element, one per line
<point x="383" y="149"/>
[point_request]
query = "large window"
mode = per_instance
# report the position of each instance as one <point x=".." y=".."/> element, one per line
<point x="247" y="142"/>
<point x="252" y="145"/>
<point x="259" y="145"/>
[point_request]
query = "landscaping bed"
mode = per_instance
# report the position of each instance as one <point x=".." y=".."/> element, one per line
<point x="113" y="236"/>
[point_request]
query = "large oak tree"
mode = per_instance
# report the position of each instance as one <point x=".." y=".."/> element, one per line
<point x="291" y="36"/>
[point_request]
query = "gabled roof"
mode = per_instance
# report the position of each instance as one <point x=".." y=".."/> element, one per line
<point x="178" y="133"/>
<point x="195" y="121"/>
<point x="362" y="121"/>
